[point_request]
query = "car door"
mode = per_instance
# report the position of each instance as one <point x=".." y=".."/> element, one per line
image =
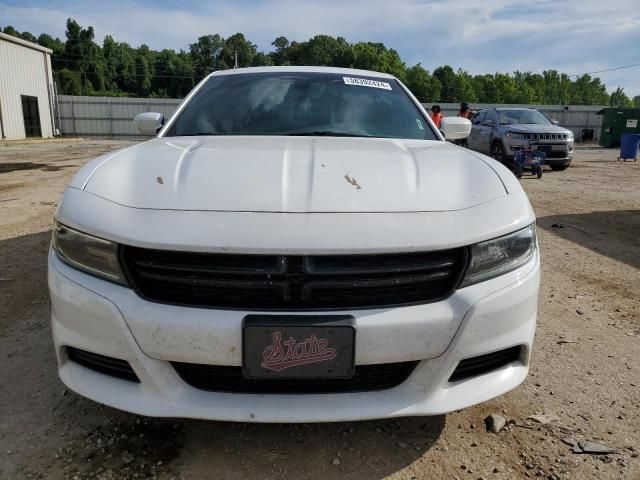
<point x="474" y="137"/>
<point x="485" y="131"/>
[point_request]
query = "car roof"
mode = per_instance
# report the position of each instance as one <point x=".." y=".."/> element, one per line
<point x="300" y="69"/>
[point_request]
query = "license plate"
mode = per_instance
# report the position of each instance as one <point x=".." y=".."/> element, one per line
<point x="294" y="346"/>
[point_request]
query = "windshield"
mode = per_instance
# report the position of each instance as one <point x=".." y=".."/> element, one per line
<point x="283" y="103"/>
<point x="509" y="117"/>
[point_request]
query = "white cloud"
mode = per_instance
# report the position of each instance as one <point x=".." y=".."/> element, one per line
<point x="481" y="36"/>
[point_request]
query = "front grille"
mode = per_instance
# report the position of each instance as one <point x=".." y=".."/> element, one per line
<point x="545" y="136"/>
<point x="472" y="367"/>
<point x="103" y="364"/>
<point x="215" y="378"/>
<point x="275" y="282"/>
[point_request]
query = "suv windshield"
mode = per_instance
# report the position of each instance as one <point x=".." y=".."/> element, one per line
<point x="283" y="103"/>
<point x="509" y="117"/>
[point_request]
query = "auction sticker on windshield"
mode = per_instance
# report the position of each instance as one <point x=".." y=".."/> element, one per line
<point x="365" y="82"/>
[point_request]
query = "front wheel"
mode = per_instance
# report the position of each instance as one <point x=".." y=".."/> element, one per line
<point x="517" y="170"/>
<point x="497" y="152"/>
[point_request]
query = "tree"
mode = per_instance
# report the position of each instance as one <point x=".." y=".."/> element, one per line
<point x="620" y="99"/>
<point x="68" y="82"/>
<point x="206" y="54"/>
<point x="82" y="55"/>
<point x="447" y="78"/>
<point x="463" y="87"/>
<point x="279" y="56"/>
<point x="376" y="57"/>
<point x="238" y="45"/>
<point x="322" y="50"/>
<point x="9" y="30"/>
<point x="143" y="76"/>
<point x="82" y="67"/>
<point x="424" y="86"/>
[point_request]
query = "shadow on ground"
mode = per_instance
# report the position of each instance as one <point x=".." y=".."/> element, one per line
<point x="99" y="439"/>
<point x="615" y="234"/>
<point x="371" y="450"/>
<point x="23" y="276"/>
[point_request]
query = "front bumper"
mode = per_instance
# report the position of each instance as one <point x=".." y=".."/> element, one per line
<point x="561" y="151"/>
<point x="104" y="318"/>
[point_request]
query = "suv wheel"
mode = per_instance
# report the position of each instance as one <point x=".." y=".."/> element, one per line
<point x="497" y="152"/>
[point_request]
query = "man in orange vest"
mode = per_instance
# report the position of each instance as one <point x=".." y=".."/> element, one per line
<point x="436" y="115"/>
<point x="464" y="111"/>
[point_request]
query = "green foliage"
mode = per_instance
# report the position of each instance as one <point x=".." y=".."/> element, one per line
<point x="620" y="99"/>
<point x="424" y="86"/>
<point x="82" y="67"/>
<point x="68" y="82"/>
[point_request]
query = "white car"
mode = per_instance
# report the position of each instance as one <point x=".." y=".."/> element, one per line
<point x="296" y="244"/>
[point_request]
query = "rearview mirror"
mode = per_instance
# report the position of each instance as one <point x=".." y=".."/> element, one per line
<point x="455" y="128"/>
<point x="148" y="123"/>
<point x="555" y="122"/>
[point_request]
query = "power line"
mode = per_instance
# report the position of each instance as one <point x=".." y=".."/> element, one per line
<point x="605" y="70"/>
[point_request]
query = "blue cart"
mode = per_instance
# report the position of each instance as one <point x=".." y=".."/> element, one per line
<point x="629" y="146"/>
<point x="528" y="157"/>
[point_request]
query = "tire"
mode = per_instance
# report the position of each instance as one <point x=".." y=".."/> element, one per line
<point x="539" y="172"/>
<point x="558" y="167"/>
<point x="497" y="152"/>
<point x="517" y="171"/>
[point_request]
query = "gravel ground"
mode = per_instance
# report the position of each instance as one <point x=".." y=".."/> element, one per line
<point x="584" y="373"/>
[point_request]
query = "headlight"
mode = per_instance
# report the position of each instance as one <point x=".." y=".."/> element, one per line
<point x="570" y="135"/>
<point x="501" y="255"/>
<point x="90" y="254"/>
<point x="514" y="135"/>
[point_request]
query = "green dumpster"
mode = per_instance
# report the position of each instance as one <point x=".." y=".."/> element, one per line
<point x="615" y="122"/>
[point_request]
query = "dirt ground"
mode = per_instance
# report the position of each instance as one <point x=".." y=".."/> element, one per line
<point x="584" y="370"/>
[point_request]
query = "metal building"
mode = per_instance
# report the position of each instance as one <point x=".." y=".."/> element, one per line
<point x="26" y="90"/>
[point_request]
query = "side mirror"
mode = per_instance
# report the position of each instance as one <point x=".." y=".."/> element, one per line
<point x="148" y="123"/>
<point x="455" y="128"/>
<point x="555" y="122"/>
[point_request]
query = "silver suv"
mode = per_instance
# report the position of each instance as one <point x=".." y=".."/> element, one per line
<point x="500" y="131"/>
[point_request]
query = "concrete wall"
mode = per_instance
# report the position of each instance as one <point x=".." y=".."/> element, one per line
<point x="25" y="69"/>
<point x="113" y="117"/>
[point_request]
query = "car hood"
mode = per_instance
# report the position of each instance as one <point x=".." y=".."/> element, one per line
<point x="531" y="128"/>
<point x="293" y="174"/>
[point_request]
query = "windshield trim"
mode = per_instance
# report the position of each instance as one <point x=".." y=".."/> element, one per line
<point x="419" y="107"/>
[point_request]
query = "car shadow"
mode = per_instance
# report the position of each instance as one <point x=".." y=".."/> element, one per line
<point x="611" y="233"/>
<point x="197" y="449"/>
<point x="23" y="276"/>
<point x="370" y="449"/>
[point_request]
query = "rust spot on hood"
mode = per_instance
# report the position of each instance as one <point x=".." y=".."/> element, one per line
<point x="352" y="181"/>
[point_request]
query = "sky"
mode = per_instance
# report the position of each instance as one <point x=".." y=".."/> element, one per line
<point x="480" y="36"/>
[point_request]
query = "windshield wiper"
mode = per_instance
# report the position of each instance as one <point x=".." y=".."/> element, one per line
<point x="202" y="134"/>
<point x="314" y="133"/>
<point x="324" y="133"/>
